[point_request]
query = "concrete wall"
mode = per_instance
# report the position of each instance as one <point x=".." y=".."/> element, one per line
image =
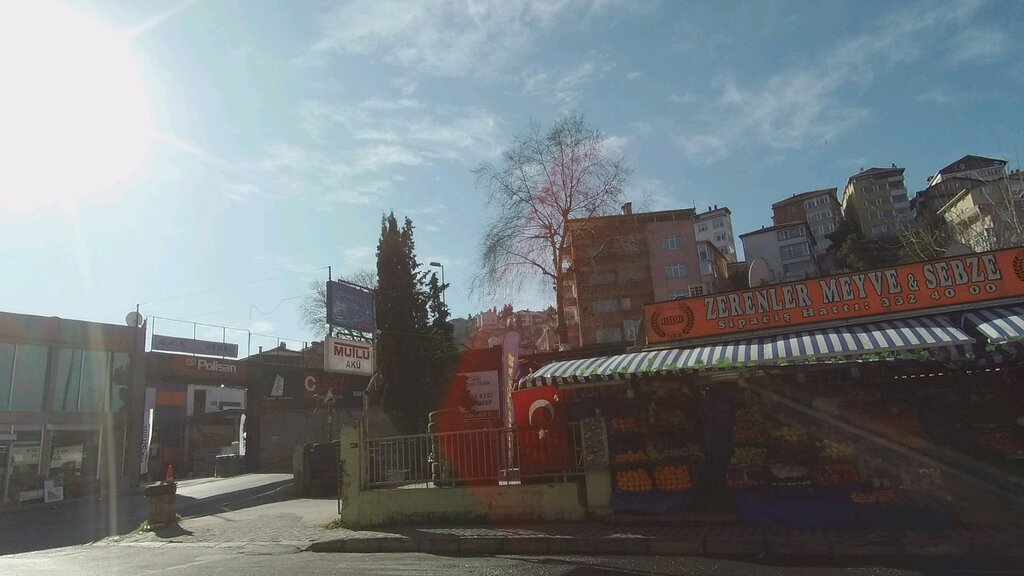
<point x="540" y="502"/>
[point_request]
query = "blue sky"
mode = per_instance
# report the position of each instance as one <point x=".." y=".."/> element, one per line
<point x="209" y="159"/>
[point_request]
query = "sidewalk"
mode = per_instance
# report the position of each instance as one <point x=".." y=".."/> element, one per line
<point x="301" y="524"/>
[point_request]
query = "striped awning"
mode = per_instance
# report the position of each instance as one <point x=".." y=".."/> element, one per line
<point x="998" y="324"/>
<point x="888" y="336"/>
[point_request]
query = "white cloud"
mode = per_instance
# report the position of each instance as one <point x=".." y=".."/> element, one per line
<point x="682" y="98"/>
<point x="616" y="144"/>
<point x="262" y="326"/>
<point x="805" y="105"/>
<point x="406" y="86"/>
<point x="359" y="255"/>
<point x="451" y="38"/>
<point x="977" y="44"/>
<point x="634" y="75"/>
<point x="569" y="86"/>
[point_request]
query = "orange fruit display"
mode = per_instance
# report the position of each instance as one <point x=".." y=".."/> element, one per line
<point x="674" y="478"/>
<point x="637" y="480"/>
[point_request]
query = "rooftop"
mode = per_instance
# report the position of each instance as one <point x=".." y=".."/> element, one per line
<point x="804" y="195"/>
<point x="952" y="167"/>
<point x="876" y="172"/>
<point x="777" y="227"/>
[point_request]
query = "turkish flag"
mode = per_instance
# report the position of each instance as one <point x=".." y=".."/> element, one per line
<point x="542" y="428"/>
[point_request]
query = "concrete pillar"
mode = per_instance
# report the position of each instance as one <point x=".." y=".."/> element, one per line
<point x="599" y="492"/>
<point x="351" y="474"/>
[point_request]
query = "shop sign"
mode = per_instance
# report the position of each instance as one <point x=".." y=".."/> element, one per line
<point x="348" y="357"/>
<point x="190" y="346"/>
<point x="910" y="289"/>
<point x="483" y="388"/>
<point x="208" y="368"/>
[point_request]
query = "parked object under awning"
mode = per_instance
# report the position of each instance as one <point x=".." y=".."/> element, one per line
<point x="998" y="324"/>
<point x="860" y="339"/>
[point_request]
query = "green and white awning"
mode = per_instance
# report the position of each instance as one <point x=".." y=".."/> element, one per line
<point x="861" y="339"/>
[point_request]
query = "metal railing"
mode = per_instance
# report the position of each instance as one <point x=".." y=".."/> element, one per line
<point x="469" y="457"/>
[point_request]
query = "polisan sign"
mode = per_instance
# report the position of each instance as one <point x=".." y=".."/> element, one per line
<point x="909" y="289"/>
<point x="348" y="357"/>
<point x="208" y="368"/>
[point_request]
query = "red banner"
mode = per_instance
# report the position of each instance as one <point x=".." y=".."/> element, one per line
<point x="542" y="428"/>
<point x="911" y="288"/>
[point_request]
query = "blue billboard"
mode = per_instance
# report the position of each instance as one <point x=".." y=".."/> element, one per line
<point x="350" y="306"/>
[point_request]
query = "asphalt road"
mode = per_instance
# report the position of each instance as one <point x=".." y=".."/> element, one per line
<point x="274" y="561"/>
<point x="82" y="521"/>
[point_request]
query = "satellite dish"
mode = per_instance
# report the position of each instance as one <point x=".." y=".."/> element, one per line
<point x="759" y="274"/>
<point x="958" y="249"/>
<point x="133" y="319"/>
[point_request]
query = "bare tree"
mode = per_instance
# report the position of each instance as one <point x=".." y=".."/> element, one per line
<point x="545" y="180"/>
<point x="313" y="310"/>
<point x="925" y="237"/>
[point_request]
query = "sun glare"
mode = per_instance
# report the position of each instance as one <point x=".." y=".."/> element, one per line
<point x="74" y="119"/>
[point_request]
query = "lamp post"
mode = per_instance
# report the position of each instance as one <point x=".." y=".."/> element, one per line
<point x="443" y="287"/>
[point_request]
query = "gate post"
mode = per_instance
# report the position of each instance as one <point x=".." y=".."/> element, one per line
<point x="350" y="475"/>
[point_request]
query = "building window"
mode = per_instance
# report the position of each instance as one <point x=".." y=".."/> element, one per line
<point x="820" y="215"/>
<point x="602" y="306"/>
<point x="721" y="237"/>
<point x="703" y="253"/>
<point x="627" y="303"/>
<point x="676" y="270"/>
<point x="629" y="328"/>
<point x="790" y="271"/>
<point x="881" y="229"/>
<point x="672" y="242"/>
<point x="705" y="267"/>
<point x="702" y="228"/>
<point x="791" y="233"/>
<point x="895" y="185"/>
<point x="27" y="379"/>
<point x="678" y="294"/>
<point x="696" y="290"/>
<point x="794" y="251"/>
<point x="609" y="334"/>
<point x="718" y="223"/>
<point x="6" y="372"/>
<point x="74" y="455"/>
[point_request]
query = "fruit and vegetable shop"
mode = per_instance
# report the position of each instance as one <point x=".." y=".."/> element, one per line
<point x="890" y="398"/>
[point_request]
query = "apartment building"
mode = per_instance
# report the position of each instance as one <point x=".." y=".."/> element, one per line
<point x="788" y="249"/>
<point x="715" y="226"/>
<point x="956" y="177"/>
<point x="819" y="208"/>
<point x="621" y="262"/>
<point x="876" y="199"/>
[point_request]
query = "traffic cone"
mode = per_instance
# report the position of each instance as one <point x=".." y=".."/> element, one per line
<point x="170" y="474"/>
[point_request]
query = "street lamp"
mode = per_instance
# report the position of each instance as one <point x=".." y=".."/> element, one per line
<point x="441" y="266"/>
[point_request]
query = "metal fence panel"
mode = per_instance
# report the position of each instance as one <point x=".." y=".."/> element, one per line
<point x="488" y="456"/>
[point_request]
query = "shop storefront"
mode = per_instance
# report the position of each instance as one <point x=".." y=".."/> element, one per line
<point x="895" y="417"/>
<point x="66" y="424"/>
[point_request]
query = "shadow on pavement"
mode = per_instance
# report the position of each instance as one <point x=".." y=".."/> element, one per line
<point x="43" y="527"/>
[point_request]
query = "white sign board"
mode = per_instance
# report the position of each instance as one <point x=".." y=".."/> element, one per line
<point x="278" y="389"/>
<point x="190" y="346"/>
<point x="348" y="357"/>
<point x="483" y="387"/>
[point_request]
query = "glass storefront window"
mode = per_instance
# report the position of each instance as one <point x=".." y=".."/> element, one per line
<point x="25" y="478"/>
<point x="74" y="455"/>
<point x="68" y="380"/>
<point x="95" y="381"/>
<point x="6" y="371"/>
<point x="120" y="378"/>
<point x="29" y="378"/>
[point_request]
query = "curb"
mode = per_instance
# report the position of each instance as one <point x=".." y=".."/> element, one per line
<point x="749" y="547"/>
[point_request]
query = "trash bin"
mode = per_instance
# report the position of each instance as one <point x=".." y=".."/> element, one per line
<point x="321" y="468"/>
<point x="161" y="503"/>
